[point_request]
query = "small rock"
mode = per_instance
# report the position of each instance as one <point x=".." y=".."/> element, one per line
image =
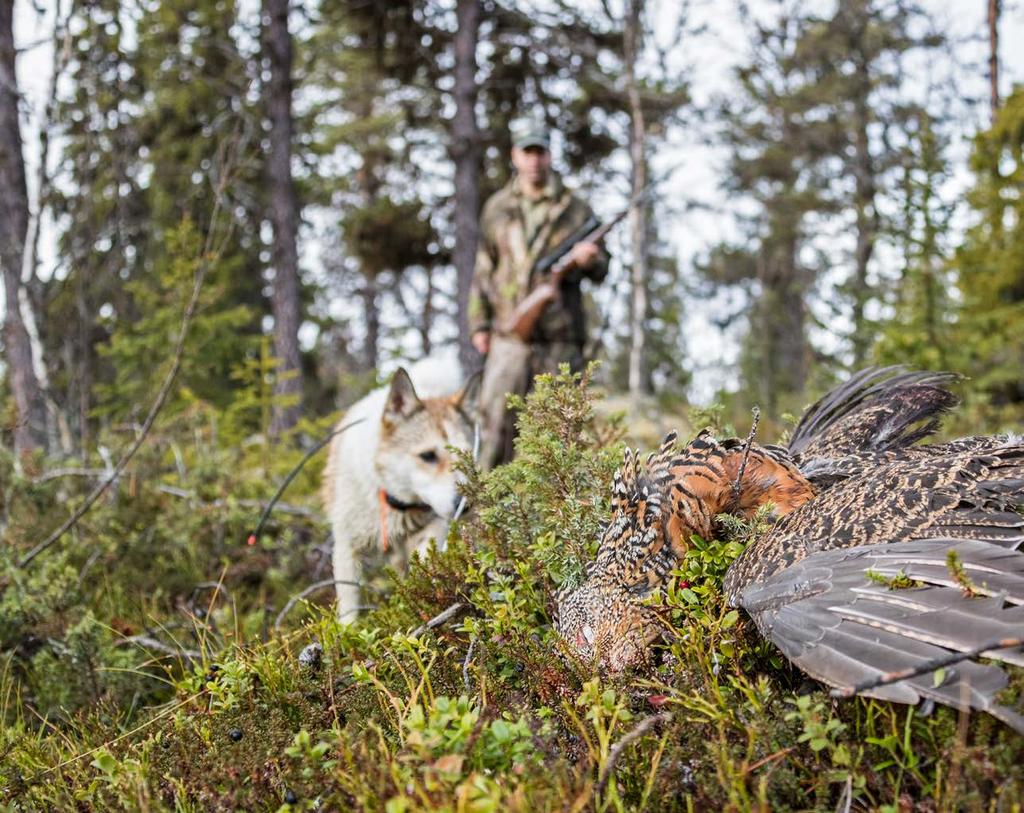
<point x="311" y="656"/>
<point x="687" y="776"/>
<point x="235" y="734"/>
<point x="290" y="797"/>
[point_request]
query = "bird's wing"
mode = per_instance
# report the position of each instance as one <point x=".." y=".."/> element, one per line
<point x="843" y="628"/>
<point x="876" y="409"/>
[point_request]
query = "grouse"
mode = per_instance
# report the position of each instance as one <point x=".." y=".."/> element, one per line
<point x="855" y="497"/>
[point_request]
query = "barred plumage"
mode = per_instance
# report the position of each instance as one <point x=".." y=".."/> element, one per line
<point x="852" y="493"/>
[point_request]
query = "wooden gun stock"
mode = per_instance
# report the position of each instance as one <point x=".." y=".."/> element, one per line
<point x="524" y="318"/>
<point x="527" y="314"/>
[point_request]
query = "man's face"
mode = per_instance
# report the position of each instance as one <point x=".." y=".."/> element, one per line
<point x="533" y="163"/>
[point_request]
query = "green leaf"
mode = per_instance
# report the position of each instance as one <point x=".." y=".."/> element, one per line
<point x="105" y="762"/>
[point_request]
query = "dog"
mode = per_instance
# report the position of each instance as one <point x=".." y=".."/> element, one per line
<point x="391" y="478"/>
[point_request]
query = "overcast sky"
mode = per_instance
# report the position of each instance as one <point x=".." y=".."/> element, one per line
<point x="697" y="168"/>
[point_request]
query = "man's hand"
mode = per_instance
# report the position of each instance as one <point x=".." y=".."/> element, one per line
<point x="583" y="254"/>
<point x="482" y="341"/>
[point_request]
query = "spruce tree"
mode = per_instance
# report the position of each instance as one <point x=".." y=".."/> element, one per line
<point x="991" y="261"/>
<point x="919" y="332"/>
<point x="99" y="201"/>
<point x="200" y="123"/>
<point x="776" y="148"/>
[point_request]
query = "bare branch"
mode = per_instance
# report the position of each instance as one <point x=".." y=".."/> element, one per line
<point x="439" y="619"/>
<point x="293" y="474"/>
<point x="320" y="585"/>
<point x="281" y="507"/>
<point x="465" y="665"/>
<point x="930" y="665"/>
<point x="69" y="471"/>
<point x="189" y="655"/>
<point x="616" y="751"/>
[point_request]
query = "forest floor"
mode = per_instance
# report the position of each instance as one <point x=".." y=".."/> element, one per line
<point x="147" y="665"/>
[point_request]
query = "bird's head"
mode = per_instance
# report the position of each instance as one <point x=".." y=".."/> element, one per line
<point x="607" y="618"/>
<point x="605" y="625"/>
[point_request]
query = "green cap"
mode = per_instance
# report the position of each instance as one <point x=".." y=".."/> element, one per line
<point x="530" y="133"/>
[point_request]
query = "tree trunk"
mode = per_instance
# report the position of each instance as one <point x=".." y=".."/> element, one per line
<point x="284" y="215"/>
<point x="994" y="9"/>
<point x="638" y="217"/>
<point x="30" y="432"/>
<point x="427" y="314"/>
<point x="866" y="216"/>
<point x="84" y="351"/>
<point x="465" y="151"/>
<point x="371" y="317"/>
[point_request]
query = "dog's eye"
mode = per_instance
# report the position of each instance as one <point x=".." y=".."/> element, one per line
<point x="429" y="457"/>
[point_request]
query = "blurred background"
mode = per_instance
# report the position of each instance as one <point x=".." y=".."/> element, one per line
<point x="837" y="185"/>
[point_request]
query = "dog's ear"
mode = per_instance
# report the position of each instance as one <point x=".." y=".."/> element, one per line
<point x="467" y="399"/>
<point x="402" y="399"/>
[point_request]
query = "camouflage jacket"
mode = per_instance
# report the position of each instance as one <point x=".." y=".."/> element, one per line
<point x="506" y="255"/>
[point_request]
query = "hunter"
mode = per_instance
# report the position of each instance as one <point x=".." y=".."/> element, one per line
<point x="519" y="225"/>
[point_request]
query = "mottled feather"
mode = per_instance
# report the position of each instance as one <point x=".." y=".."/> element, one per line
<point x="852" y="493"/>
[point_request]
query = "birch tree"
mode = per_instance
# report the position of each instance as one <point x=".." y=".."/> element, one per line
<point x="30" y="430"/>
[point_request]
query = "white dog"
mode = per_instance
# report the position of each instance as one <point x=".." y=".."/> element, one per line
<point x="395" y="466"/>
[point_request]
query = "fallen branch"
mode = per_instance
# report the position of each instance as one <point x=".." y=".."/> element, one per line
<point x="55" y="474"/>
<point x="320" y="585"/>
<point x="441" y="618"/>
<point x="190" y="655"/>
<point x="282" y="507"/>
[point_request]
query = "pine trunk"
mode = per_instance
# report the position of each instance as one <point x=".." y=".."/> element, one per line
<point x="285" y="218"/>
<point x="371" y="317"/>
<point x="638" y="218"/>
<point x="465" y="152"/>
<point x="427" y="315"/>
<point x="993" y="53"/>
<point x="30" y="431"/>
<point x="866" y="217"/>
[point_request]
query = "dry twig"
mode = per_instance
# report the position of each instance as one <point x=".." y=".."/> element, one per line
<point x="441" y="618"/>
<point x="637" y="731"/>
<point x="190" y="655"/>
<point x="928" y="666"/>
<point x="320" y="585"/>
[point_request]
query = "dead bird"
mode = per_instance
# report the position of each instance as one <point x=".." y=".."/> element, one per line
<point x="852" y="492"/>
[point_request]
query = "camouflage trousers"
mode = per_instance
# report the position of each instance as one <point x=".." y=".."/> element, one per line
<point x="510" y="368"/>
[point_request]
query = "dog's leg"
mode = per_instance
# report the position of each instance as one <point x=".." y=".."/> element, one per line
<point x="347" y="573"/>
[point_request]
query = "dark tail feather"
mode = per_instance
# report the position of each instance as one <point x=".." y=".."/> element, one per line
<point x="876" y="409"/>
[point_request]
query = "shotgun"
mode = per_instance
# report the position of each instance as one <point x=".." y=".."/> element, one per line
<point x="554" y="266"/>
